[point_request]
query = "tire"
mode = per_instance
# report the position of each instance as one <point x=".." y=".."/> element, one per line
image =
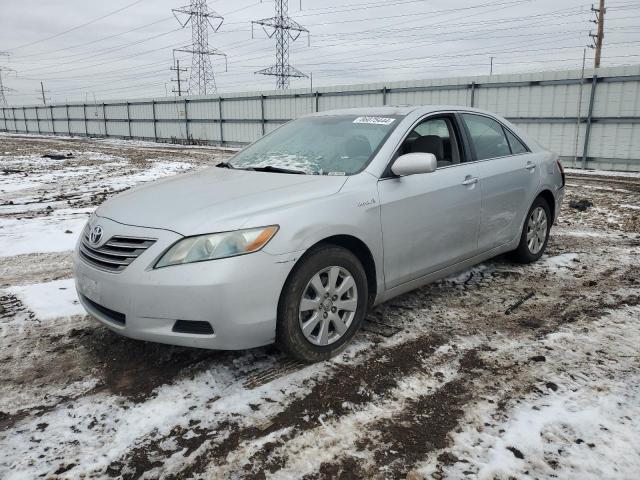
<point x="535" y="233"/>
<point x="309" y="301"/>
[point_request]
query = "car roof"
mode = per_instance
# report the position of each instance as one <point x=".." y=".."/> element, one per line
<point x="397" y="110"/>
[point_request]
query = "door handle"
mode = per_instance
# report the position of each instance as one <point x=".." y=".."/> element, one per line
<point x="530" y="166"/>
<point x="470" y="180"/>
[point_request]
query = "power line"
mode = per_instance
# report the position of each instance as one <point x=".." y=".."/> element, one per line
<point x="284" y="30"/>
<point x="77" y="26"/>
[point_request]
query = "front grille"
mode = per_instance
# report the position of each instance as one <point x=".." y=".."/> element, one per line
<point x="112" y="315"/>
<point x="116" y="254"/>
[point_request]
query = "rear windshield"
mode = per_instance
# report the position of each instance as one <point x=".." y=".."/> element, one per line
<point x="326" y="145"/>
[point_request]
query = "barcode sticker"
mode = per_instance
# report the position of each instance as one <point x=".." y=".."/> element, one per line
<point x="375" y="120"/>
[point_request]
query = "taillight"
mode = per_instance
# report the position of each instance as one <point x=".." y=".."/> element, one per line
<point x="561" y="168"/>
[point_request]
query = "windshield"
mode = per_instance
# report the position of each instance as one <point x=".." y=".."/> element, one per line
<point x="331" y="145"/>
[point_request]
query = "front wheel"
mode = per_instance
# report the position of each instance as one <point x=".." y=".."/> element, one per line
<point x="322" y="304"/>
<point x="535" y="232"/>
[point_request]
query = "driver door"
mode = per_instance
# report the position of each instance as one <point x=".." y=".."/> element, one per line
<point x="430" y="221"/>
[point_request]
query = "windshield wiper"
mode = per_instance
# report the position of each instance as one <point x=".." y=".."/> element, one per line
<point x="225" y="165"/>
<point x="273" y="168"/>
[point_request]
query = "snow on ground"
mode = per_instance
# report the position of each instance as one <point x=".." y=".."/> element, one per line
<point x="581" y="422"/>
<point x="51" y="299"/>
<point x="440" y="382"/>
<point x="58" y="232"/>
<point x="604" y="173"/>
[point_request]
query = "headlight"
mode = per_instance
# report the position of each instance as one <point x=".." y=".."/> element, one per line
<point x="217" y="245"/>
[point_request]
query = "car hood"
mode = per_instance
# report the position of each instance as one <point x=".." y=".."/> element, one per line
<point x="214" y="199"/>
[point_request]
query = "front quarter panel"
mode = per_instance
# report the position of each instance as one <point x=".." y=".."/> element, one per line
<point x="353" y="211"/>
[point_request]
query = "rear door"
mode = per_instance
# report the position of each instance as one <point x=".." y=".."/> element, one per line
<point x="430" y="221"/>
<point x="508" y="176"/>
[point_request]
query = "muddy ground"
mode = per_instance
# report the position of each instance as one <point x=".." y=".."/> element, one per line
<point x="441" y="382"/>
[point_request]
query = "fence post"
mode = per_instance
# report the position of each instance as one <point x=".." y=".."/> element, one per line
<point x="186" y="121"/>
<point x="262" y="113"/>
<point x="66" y="106"/>
<point x="104" y="119"/>
<point x="24" y="119"/>
<point x="53" y="125"/>
<point x="15" y="124"/>
<point x="220" y="118"/>
<point x="86" y="120"/>
<point x="155" y="127"/>
<point x="317" y="95"/>
<point x="384" y="95"/>
<point x="37" y="119"/>
<point x="473" y="94"/>
<point x="587" y="133"/>
<point x="129" y="120"/>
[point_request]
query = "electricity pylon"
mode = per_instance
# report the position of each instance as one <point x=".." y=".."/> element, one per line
<point x="284" y="28"/>
<point x="201" y="80"/>
<point x="3" y="89"/>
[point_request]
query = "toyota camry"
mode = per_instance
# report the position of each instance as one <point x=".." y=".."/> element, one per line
<point x="295" y="237"/>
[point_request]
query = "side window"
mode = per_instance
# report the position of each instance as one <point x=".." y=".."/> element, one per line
<point x="516" y="145"/>
<point x="487" y="136"/>
<point x="436" y="136"/>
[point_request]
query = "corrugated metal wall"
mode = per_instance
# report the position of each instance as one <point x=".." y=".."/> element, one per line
<point x="596" y="116"/>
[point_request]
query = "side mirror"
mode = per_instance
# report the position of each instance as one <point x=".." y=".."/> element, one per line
<point x="413" y="163"/>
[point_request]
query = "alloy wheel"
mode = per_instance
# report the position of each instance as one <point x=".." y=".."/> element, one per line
<point x="328" y="305"/>
<point x="536" y="230"/>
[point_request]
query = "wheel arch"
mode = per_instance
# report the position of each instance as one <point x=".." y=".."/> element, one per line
<point x="547" y="195"/>
<point x="356" y="246"/>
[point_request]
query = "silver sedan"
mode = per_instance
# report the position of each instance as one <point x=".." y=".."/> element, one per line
<point x="297" y="235"/>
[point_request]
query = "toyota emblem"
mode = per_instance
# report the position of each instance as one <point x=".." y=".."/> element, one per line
<point x="96" y="235"/>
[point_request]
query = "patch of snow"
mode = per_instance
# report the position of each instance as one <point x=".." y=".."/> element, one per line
<point x="558" y="262"/>
<point x="42" y="234"/>
<point x="581" y="421"/>
<point x="605" y="173"/>
<point x="50" y="300"/>
<point x="630" y="207"/>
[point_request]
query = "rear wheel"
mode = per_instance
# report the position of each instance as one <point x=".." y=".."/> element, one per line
<point x="535" y="232"/>
<point x="322" y="305"/>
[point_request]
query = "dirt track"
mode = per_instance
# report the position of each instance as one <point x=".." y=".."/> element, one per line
<point x="438" y="384"/>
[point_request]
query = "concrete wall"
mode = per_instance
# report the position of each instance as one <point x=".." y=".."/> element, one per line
<point x="559" y="109"/>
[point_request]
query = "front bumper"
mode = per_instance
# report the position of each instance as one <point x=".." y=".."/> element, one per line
<point x="237" y="296"/>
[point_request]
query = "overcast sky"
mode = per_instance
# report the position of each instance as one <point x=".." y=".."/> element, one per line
<point x="127" y="54"/>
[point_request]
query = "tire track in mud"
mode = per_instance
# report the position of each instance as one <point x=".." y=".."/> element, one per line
<point x="335" y="393"/>
<point x="445" y="407"/>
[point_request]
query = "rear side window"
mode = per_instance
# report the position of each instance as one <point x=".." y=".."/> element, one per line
<point x="516" y="145"/>
<point x="487" y="136"/>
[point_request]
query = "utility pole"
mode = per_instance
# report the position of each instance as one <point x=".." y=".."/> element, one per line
<point x="44" y="100"/>
<point x="491" y="66"/>
<point x="177" y="69"/>
<point x="598" y="38"/>
<point x="284" y="28"/>
<point x="202" y="79"/>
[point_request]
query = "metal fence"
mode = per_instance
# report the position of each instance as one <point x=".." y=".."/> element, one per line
<point x="594" y="118"/>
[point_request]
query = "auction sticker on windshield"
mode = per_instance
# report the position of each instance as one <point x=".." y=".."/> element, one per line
<point x="375" y="120"/>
